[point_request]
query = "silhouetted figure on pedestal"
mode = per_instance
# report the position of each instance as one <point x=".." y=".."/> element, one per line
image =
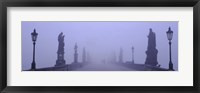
<point x="132" y="48"/>
<point x="76" y="53"/>
<point x="121" y="55"/>
<point x="84" y="56"/>
<point x="151" y="49"/>
<point x="60" y="53"/>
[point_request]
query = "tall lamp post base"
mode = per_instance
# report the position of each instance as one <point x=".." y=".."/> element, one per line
<point x="33" y="66"/>
<point x="171" y="67"/>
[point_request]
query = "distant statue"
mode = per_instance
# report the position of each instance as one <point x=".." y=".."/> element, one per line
<point x="121" y="55"/>
<point x="60" y="53"/>
<point x="61" y="42"/>
<point x="76" y="53"/>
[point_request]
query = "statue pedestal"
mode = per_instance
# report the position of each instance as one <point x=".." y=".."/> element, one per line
<point x="60" y="59"/>
<point x="60" y="62"/>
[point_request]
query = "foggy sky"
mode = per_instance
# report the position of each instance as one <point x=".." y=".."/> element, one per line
<point x="100" y="39"/>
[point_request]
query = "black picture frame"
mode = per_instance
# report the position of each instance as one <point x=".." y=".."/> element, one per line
<point x="98" y="3"/>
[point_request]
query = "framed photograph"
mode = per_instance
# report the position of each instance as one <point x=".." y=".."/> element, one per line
<point x="88" y="46"/>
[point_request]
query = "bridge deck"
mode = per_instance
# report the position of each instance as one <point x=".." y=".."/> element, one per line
<point x="103" y="67"/>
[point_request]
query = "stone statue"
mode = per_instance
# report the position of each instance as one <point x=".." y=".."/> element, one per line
<point x="60" y="53"/>
<point x="151" y="52"/>
<point x="61" y="42"/>
<point x="84" y="55"/>
<point x="121" y="55"/>
<point x="76" y="53"/>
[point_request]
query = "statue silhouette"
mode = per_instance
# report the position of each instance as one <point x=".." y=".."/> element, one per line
<point x="84" y="55"/>
<point x="76" y="53"/>
<point x="61" y="42"/>
<point x="121" y="55"/>
<point x="60" y="53"/>
<point x="151" y="49"/>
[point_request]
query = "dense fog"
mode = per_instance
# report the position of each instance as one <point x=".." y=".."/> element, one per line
<point x="102" y="41"/>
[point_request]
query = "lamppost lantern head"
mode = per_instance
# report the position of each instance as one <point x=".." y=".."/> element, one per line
<point x="34" y="35"/>
<point x="169" y="34"/>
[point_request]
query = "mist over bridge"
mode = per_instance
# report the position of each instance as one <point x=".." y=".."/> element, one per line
<point x="151" y="63"/>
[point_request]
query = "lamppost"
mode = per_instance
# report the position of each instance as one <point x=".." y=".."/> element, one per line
<point x="34" y="38"/>
<point x="132" y="54"/>
<point x="169" y="36"/>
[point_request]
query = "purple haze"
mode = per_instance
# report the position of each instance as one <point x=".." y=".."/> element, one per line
<point x="100" y="39"/>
